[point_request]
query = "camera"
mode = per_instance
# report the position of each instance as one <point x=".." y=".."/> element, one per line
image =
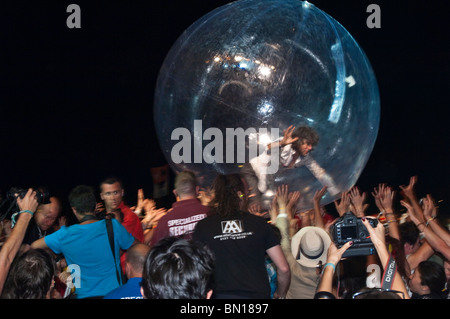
<point x="350" y="228"/>
<point x="42" y="194"/>
<point x="42" y="197"/>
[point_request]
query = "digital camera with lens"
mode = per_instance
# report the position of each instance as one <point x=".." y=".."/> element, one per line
<point x="350" y="228"/>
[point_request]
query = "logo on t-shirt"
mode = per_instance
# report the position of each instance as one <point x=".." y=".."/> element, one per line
<point x="232" y="227"/>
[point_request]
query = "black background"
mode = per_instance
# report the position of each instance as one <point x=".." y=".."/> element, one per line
<point x="76" y="104"/>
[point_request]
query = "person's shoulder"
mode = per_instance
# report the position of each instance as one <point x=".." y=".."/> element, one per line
<point x="165" y="219"/>
<point x="250" y="216"/>
<point x="208" y="220"/>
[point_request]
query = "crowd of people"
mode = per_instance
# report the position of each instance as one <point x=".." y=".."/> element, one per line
<point x="221" y="243"/>
<point x="214" y="244"/>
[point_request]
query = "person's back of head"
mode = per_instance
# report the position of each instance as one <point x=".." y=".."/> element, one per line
<point x="186" y="184"/>
<point x="377" y="293"/>
<point x="82" y="199"/>
<point x="136" y="256"/>
<point x="409" y="233"/>
<point x="31" y="276"/>
<point x="227" y="201"/>
<point x="178" y="269"/>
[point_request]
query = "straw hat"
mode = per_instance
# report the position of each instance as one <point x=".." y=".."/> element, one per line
<point x="310" y="245"/>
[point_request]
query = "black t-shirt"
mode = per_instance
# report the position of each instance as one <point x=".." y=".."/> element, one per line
<point x="239" y="244"/>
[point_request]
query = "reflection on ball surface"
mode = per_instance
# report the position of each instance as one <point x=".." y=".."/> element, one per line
<point x="264" y="64"/>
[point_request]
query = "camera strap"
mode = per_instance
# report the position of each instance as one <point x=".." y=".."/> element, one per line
<point x="389" y="274"/>
<point x="110" y="230"/>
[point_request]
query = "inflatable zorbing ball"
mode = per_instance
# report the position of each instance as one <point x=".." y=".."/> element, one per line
<point x="261" y="66"/>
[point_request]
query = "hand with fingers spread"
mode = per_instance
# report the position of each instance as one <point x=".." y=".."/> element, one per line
<point x="376" y="195"/>
<point x="287" y="136"/>
<point x="429" y="208"/>
<point x="415" y="218"/>
<point x="387" y="198"/>
<point x="293" y="199"/>
<point x="152" y="217"/>
<point x="358" y="201"/>
<point x="318" y="195"/>
<point x="343" y="206"/>
<point x="408" y="191"/>
<point x="282" y="196"/>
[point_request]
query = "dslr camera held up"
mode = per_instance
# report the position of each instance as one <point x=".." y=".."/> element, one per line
<point x="42" y="197"/>
<point x="42" y="194"/>
<point x="350" y="228"/>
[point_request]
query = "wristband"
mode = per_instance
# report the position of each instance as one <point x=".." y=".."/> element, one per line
<point x="14" y="216"/>
<point x="329" y="264"/>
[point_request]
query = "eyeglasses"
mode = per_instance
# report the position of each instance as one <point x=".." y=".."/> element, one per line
<point x="380" y="293"/>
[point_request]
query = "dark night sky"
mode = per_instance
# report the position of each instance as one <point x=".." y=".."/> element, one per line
<point x="76" y="104"/>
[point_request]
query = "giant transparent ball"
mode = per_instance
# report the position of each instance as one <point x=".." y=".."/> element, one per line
<point x="267" y="64"/>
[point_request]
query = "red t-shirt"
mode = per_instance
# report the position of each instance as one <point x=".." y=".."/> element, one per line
<point x="131" y="222"/>
<point x="133" y="225"/>
<point x="180" y="221"/>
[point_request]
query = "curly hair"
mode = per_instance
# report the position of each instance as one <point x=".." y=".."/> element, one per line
<point x="306" y="133"/>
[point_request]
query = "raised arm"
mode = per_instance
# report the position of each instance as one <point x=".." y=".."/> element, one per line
<point x="409" y="193"/>
<point x="280" y="216"/>
<point x="286" y="140"/>
<point x="317" y="215"/>
<point x="343" y="205"/>
<point x="27" y="206"/>
<point x="430" y="213"/>
<point x="333" y="258"/>
<point x="358" y="202"/>
<point x="386" y="198"/>
<point x="431" y="237"/>
<point x="378" y="239"/>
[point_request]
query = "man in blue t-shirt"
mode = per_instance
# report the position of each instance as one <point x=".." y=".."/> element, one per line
<point x="86" y="246"/>
<point x="134" y="265"/>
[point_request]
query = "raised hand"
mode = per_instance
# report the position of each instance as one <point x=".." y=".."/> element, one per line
<point x="287" y="136"/>
<point x="358" y="201"/>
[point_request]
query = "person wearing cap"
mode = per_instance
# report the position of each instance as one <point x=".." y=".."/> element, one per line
<point x="305" y="253"/>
